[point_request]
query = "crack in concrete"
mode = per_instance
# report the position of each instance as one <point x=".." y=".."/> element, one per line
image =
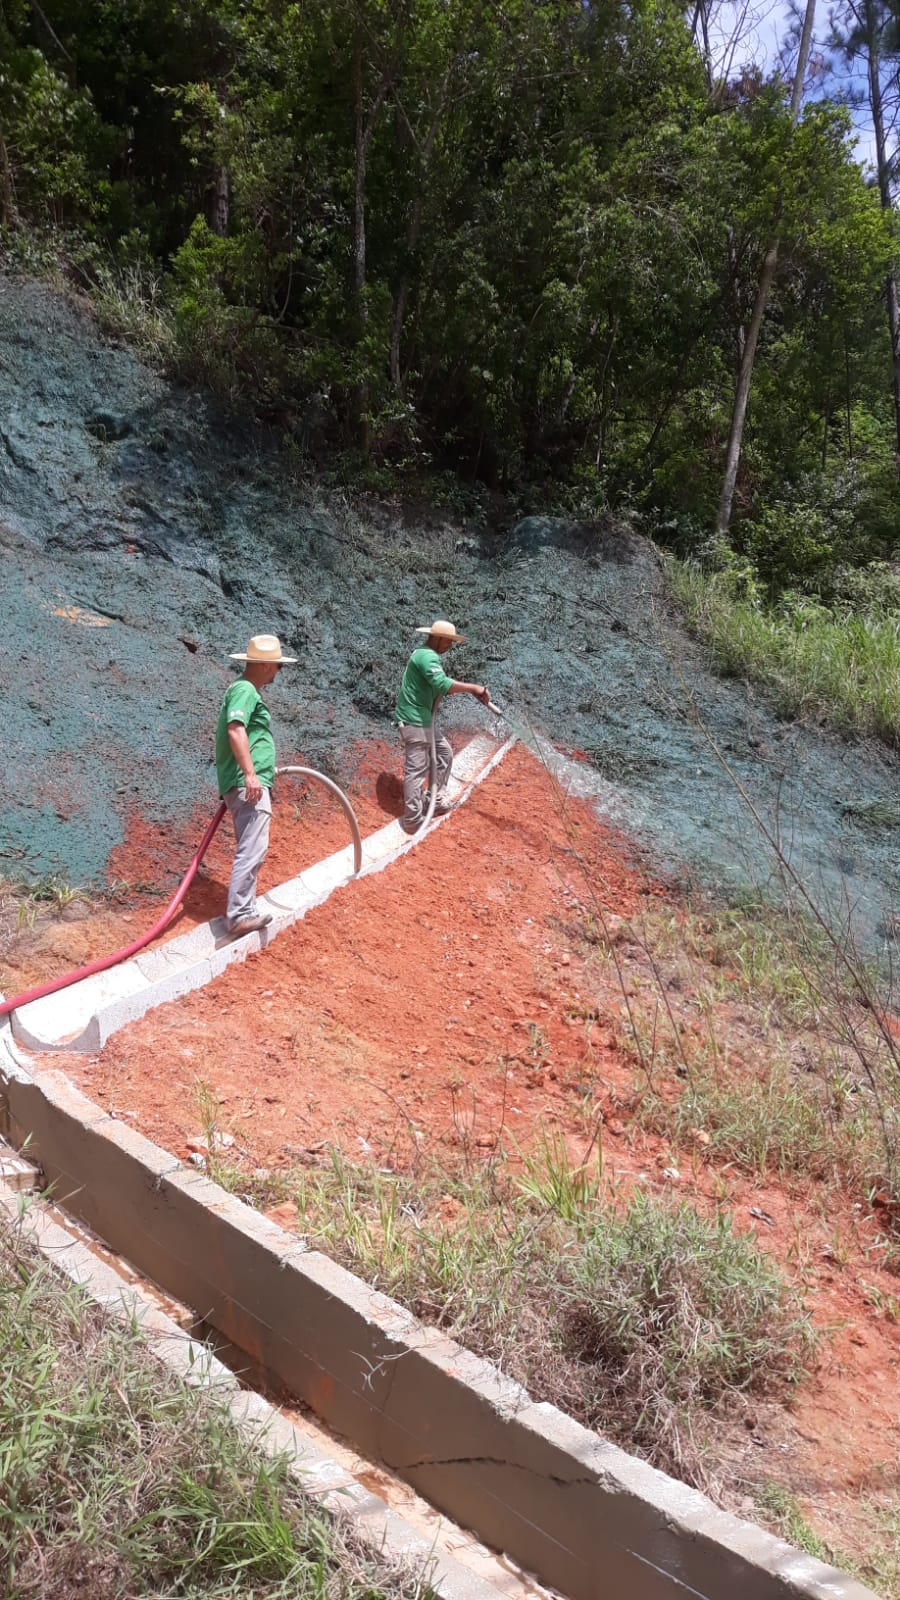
<point x="499" y="1461"/>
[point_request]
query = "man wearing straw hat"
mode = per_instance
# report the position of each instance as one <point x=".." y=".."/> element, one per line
<point x="245" y="766"/>
<point x="424" y="684"/>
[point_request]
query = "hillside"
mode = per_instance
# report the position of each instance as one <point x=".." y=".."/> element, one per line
<point x="571" y="1006"/>
<point x="145" y="536"/>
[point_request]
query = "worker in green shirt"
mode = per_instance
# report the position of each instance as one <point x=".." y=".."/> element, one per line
<point x="245" y="767"/>
<point x="424" y="684"/>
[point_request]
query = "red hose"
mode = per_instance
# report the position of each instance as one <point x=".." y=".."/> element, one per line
<point x="6" y="1006"/>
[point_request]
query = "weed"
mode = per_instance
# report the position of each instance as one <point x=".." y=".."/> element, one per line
<point x="822" y="1101"/>
<point x="681" y="1311"/>
<point x="130" y="301"/>
<point x="57" y="891"/>
<point x="753" y="950"/>
<point x="781" y="1511"/>
<point x="549" y="1178"/>
<point x="115" y="1478"/>
<point x="636" y="1318"/>
<point x="771" y="1121"/>
<point x="209" y="1112"/>
<point x="884" y="1305"/>
<point x="538" y="1045"/>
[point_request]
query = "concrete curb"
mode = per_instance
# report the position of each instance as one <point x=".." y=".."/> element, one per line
<point x="562" y="1502"/>
<point x="82" y="1017"/>
<point x="324" y="1480"/>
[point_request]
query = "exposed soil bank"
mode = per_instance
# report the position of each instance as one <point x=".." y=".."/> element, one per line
<point x="143" y="538"/>
<point x="451" y="1007"/>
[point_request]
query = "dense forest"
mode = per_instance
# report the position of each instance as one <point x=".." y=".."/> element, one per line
<point x="539" y="244"/>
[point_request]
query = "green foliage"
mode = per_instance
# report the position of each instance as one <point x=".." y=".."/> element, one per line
<point x="780" y="1122"/>
<point x="781" y="1508"/>
<point x="826" y="522"/>
<point x="635" y="1318"/>
<point x="56" y="145"/>
<point x="517" y="240"/>
<point x="219" y="337"/>
<point x="115" y="1478"/>
<point x="813" y="659"/>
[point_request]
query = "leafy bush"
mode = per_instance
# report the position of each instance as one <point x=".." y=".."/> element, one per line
<point x="825" y="523"/>
<point x="58" y="147"/>
<point x="221" y="338"/>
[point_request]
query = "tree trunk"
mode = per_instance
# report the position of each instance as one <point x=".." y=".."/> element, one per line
<point x="400" y="305"/>
<point x="7" y="200"/>
<point x="847" y="396"/>
<point x="415" y="228"/>
<point x="604" y="376"/>
<point x="569" y="387"/>
<point x="220" y="203"/>
<point x="766" y="279"/>
<point x="739" y="335"/>
<point x="700" y="35"/>
<point x="364" y="128"/>
<point x="884" y="189"/>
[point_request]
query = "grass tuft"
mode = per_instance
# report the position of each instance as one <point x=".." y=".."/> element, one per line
<point x="636" y="1319"/>
<point x="117" y="1480"/>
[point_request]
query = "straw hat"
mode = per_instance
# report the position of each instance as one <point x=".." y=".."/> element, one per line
<point x="443" y="630"/>
<point x="264" y="647"/>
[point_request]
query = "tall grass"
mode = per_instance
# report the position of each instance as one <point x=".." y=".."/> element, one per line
<point x="131" y="302"/>
<point x="845" y="667"/>
<point x="116" y="1480"/>
<point x="808" y="1088"/>
<point x="636" y="1318"/>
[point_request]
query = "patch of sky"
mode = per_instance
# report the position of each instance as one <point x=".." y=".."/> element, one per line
<point x="765" y="35"/>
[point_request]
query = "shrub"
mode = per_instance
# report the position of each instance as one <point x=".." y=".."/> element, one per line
<point x="634" y="1319"/>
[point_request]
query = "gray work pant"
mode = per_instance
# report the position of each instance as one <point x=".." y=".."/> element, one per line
<point x="251" y="833"/>
<point x="416" y="763"/>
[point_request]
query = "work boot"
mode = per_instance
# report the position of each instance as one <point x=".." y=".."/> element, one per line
<point x="248" y="925"/>
<point x="410" y="827"/>
<point x="443" y="804"/>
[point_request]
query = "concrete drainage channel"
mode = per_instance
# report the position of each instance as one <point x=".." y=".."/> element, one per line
<point x="394" y="1522"/>
<point x="558" y="1500"/>
<point x="84" y="1016"/>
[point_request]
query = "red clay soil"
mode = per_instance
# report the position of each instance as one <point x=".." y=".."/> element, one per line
<point x="145" y="871"/>
<point x="425" y="998"/>
<point x="447" y="1001"/>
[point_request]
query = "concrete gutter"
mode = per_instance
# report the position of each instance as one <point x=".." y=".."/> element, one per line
<point x="82" y="1017"/>
<point x="564" y="1503"/>
<point x="386" y="1534"/>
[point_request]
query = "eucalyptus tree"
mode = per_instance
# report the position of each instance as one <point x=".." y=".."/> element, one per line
<point x="865" y="32"/>
<point x="764" y="286"/>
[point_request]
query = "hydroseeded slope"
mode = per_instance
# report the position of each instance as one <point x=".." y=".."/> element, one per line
<point x="143" y="537"/>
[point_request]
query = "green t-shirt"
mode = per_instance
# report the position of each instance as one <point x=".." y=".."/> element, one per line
<point x="245" y="704"/>
<point x="423" y="680"/>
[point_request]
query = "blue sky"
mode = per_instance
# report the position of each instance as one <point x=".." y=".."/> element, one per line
<point x="765" y="32"/>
